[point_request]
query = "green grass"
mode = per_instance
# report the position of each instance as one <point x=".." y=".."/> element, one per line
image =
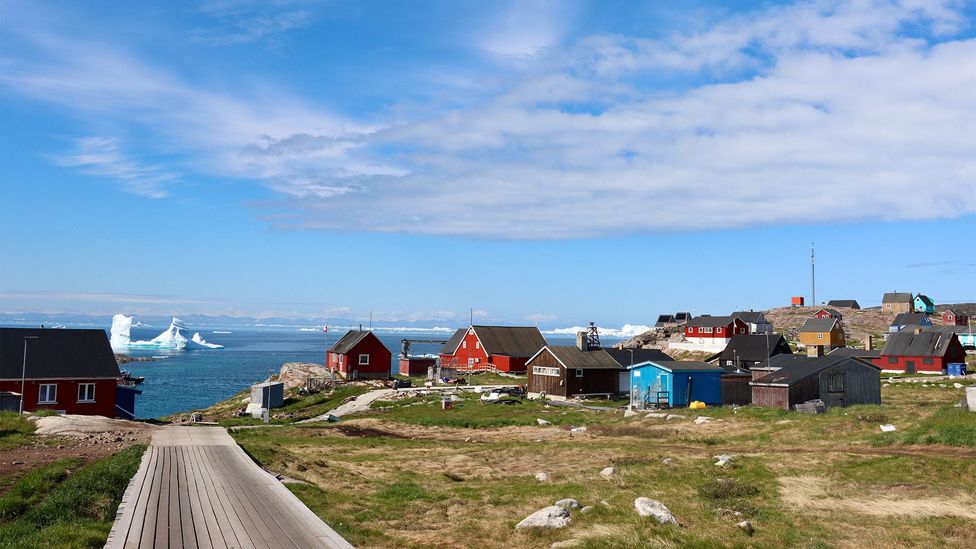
<point x="303" y="407"/>
<point x="76" y="511"/>
<point x="471" y="413"/>
<point x="950" y="426"/>
<point x="15" y="430"/>
<point x="32" y="486"/>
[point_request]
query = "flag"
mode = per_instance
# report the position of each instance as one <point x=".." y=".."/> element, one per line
<point x="325" y="328"/>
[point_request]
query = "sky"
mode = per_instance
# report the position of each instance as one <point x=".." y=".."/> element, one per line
<point x="521" y="162"/>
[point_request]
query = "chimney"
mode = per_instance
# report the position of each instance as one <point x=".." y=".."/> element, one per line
<point x="581" y="343"/>
<point x="918" y="330"/>
<point x="815" y="351"/>
<point x="869" y="343"/>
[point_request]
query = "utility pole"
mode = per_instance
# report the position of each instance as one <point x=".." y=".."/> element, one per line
<point x="813" y="275"/>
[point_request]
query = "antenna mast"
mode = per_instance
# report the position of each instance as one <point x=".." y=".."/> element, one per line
<point x="813" y="275"/>
<point x="592" y="338"/>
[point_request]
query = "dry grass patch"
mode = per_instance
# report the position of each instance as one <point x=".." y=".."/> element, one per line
<point x="819" y="493"/>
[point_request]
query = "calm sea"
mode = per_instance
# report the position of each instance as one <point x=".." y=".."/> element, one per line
<point x="179" y="381"/>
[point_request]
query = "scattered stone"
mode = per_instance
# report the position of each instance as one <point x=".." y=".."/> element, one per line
<point x="17" y="463"/>
<point x="468" y="439"/>
<point x="647" y="507"/>
<point x="702" y="419"/>
<point x="666" y="461"/>
<point x="604" y="503"/>
<point x="542" y="422"/>
<point x="887" y="428"/>
<point x="958" y="385"/>
<point x="886" y="385"/>
<point x="630" y="413"/>
<point x="568" y="503"/>
<point x="608" y="472"/>
<point x="586" y="509"/>
<point x="548" y="517"/>
<point x="578" y="430"/>
<point x="542" y="477"/>
<point x="746" y="527"/>
<point x="656" y="414"/>
<point x="731" y="512"/>
<point x="723" y="460"/>
<point x="784" y="421"/>
<point x="669" y="417"/>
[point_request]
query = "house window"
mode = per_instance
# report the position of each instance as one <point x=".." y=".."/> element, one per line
<point x="364" y="360"/>
<point x="820" y="336"/>
<point x="742" y="330"/>
<point x="706" y="330"/>
<point x="579" y="372"/>
<point x="545" y="371"/>
<point x="464" y="345"/>
<point x="892" y="360"/>
<point x="718" y="330"/>
<point x="928" y="361"/>
<point x="477" y="344"/>
<point x="86" y="392"/>
<point x="48" y="394"/>
<point x="835" y="383"/>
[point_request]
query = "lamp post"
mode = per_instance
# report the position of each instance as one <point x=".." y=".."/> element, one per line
<point x="23" y="373"/>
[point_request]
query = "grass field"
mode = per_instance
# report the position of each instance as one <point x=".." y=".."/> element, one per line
<point x="58" y="505"/>
<point x="15" y="430"/>
<point x="409" y="474"/>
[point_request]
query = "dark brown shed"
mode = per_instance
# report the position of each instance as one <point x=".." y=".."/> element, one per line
<point x="837" y="380"/>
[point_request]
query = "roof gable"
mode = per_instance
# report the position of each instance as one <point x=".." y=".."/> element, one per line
<point x="347" y="342"/>
<point x="516" y="341"/>
<point x="933" y="343"/>
<point x="679" y="366"/>
<point x="818" y="325"/>
<point x="452" y="344"/>
<point x="755" y="348"/>
<point x="907" y="319"/>
<point x="572" y="358"/>
<point x="711" y="321"/>
<point x="753" y="317"/>
<point x="57" y="354"/>
<point x="625" y="357"/>
<point x="897" y="297"/>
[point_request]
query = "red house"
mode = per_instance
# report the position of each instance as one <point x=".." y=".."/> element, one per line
<point x="73" y="371"/>
<point x="921" y="351"/>
<point x="828" y="313"/>
<point x="953" y="318"/>
<point x="359" y="354"/>
<point x="501" y="348"/>
<point x="714" y="330"/>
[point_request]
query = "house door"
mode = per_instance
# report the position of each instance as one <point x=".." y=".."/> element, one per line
<point x="624" y="382"/>
<point x="909" y="366"/>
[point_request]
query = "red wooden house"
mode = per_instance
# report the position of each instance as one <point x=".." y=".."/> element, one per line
<point x="501" y="348"/>
<point x="827" y="312"/>
<point x="73" y="371"/>
<point x="927" y="351"/>
<point x="717" y="330"/>
<point x="359" y="354"/>
<point x="955" y="318"/>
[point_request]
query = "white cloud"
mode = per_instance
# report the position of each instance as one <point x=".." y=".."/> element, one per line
<point x="812" y="112"/>
<point x="103" y="157"/>
<point x="244" y="21"/>
<point x="526" y="28"/>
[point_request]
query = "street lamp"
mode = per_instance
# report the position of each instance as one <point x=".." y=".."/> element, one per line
<point x="23" y="373"/>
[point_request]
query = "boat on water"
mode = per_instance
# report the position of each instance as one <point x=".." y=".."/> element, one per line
<point x="130" y="380"/>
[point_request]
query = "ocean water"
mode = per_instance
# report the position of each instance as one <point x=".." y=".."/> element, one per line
<point x="179" y="381"/>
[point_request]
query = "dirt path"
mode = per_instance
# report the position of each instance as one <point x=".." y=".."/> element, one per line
<point x="359" y="404"/>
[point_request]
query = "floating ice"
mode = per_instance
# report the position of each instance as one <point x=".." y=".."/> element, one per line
<point x="173" y="338"/>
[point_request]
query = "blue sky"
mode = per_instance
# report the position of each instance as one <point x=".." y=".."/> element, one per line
<point x="538" y="162"/>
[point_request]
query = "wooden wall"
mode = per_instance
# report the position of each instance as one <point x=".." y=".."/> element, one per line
<point x="736" y="389"/>
<point x="546" y="384"/>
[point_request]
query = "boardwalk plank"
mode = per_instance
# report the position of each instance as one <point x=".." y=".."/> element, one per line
<point x="228" y="524"/>
<point x="187" y="529"/>
<point x="200" y="506"/>
<point x="147" y="539"/>
<point x="244" y="525"/>
<point x="128" y="535"/>
<point x="259" y="530"/>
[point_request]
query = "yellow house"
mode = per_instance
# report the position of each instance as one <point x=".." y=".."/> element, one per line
<point x="822" y="331"/>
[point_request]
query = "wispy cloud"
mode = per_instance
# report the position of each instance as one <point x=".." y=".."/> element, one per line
<point x="244" y="21"/>
<point x="810" y="112"/>
<point x="103" y="157"/>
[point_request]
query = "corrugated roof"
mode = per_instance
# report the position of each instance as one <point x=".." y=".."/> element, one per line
<point x="846" y="303"/>
<point x="897" y="297"/>
<point x="517" y="341"/>
<point x="57" y="354"/>
<point x="749" y="316"/>
<point x="800" y="367"/>
<point x="624" y="358"/>
<point x="348" y="341"/>
<point x="683" y="366"/>
<point x="755" y="347"/>
<point x="575" y="359"/>
<point x="818" y="325"/>
<point x="455" y="341"/>
<point x="925" y="343"/>
<point x="711" y="321"/>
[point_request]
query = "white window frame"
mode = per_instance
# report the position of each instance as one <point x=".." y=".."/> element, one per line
<point x="51" y="395"/>
<point x="579" y="372"/>
<point x="83" y="387"/>
<point x="464" y="344"/>
<point x="707" y="330"/>
<point x="545" y="371"/>
<point x="820" y="335"/>
<point x="477" y="344"/>
<point x="718" y="330"/>
<point x="366" y="356"/>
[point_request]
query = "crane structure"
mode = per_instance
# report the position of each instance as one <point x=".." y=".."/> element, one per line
<point x="405" y="345"/>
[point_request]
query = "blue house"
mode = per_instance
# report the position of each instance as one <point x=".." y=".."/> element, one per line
<point x="674" y="383"/>
<point x="903" y="320"/>
<point x="924" y="304"/>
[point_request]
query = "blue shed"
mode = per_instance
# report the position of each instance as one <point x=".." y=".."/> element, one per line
<point x="674" y="383"/>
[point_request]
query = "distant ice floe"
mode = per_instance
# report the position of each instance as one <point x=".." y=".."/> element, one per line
<point x="627" y="330"/>
<point x="174" y="338"/>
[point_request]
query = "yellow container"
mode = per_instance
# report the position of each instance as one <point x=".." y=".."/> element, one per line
<point x="697" y="405"/>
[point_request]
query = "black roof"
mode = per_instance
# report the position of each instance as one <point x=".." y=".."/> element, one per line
<point x="907" y="319"/>
<point x="749" y="316"/>
<point x="572" y="358"/>
<point x="897" y="297"/>
<point x="932" y="343"/>
<point x="800" y="367"/>
<point x="818" y="325"/>
<point x="682" y="316"/>
<point x="348" y="341"/>
<point x="665" y="318"/>
<point x="455" y="341"/>
<point x="860" y="353"/>
<point x="755" y="347"/>
<point x="847" y="303"/>
<point x="711" y="321"/>
<point x="57" y="354"/>
<point x="623" y="356"/>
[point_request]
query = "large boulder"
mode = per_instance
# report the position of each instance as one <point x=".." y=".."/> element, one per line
<point x="568" y="503"/>
<point x="608" y="472"/>
<point x="548" y="517"/>
<point x="647" y="507"/>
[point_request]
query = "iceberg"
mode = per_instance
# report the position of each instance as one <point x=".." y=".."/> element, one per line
<point x="173" y="338"/>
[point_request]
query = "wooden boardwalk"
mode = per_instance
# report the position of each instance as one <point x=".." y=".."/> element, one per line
<point x="196" y="488"/>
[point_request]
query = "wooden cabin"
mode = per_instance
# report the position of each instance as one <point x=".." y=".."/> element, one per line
<point x="492" y="348"/>
<point x="359" y="355"/>
<point x="822" y="332"/>
<point x="564" y="372"/>
<point x="836" y="380"/>
<point x="928" y="351"/>
<point x="72" y="371"/>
